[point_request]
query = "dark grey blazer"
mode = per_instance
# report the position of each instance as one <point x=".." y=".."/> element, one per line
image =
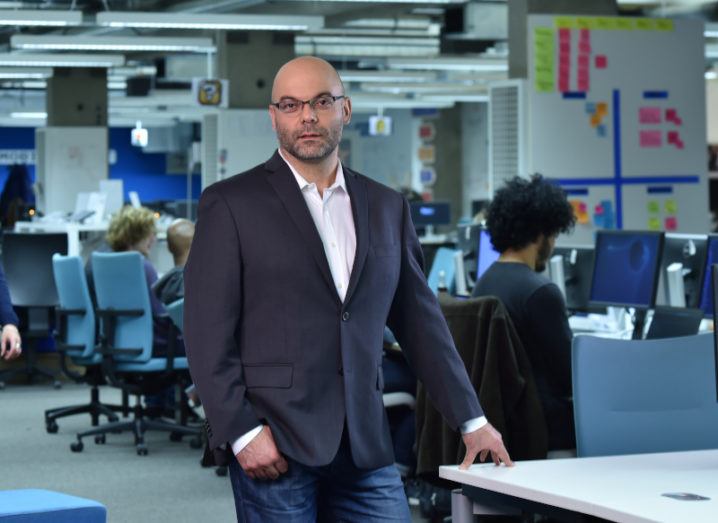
<point x="268" y="339"/>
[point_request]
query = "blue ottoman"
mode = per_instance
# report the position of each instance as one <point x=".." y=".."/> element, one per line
<point x="46" y="506"/>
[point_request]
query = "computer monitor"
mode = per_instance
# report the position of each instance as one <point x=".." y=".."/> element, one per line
<point x="467" y="241"/>
<point x="27" y="260"/>
<point x="486" y="253"/>
<point x="682" y="265"/>
<point x="706" y="300"/>
<point x="577" y="263"/>
<point x="425" y="214"/>
<point x="625" y="270"/>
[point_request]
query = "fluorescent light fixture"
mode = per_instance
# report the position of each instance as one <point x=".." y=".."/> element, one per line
<point x="209" y="21"/>
<point x="28" y="114"/>
<point x="710" y="30"/>
<point x="711" y="51"/>
<point x="362" y="102"/>
<point x="711" y="75"/>
<point x="448" y="63"/>
<point x="454" y="2"/>
<point x="430" y="88"/>
<point x="61" y="60"/>
<point x="111" y="43"/>
<point x="387" y="76"/>
<point x="422" y="23"/>
<point x="24" y="84"/>
<point x="135" y="70"/>
<point x="41" y="18"/>
<point x="365" y="46"/>
<point x="455" y="97"/>
<point x="25" y="73"/>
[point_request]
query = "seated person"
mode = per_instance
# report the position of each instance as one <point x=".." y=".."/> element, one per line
<point x="133" y="229"/>
<point x="524" y="220"/>
<point x="170" y="287"/>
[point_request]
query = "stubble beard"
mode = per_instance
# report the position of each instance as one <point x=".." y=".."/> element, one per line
<point x="312" y="152"/>
<point x="544" y="253"/>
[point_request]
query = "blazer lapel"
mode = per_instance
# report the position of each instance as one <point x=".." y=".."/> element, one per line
<point x="284" y="184"/>
<point x="360" y="210"/>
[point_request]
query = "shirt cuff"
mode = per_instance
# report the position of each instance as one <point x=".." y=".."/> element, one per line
<point x="243" y="441"/>
<point x="467" y="426"/>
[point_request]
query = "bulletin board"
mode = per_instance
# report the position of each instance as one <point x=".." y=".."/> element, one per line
<point x="617" y="117"/>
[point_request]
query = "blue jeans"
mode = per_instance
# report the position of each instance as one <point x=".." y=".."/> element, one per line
<point x="337" y="492"/>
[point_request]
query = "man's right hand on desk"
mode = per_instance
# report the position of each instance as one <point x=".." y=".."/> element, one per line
<point x="484" y="440"/>
<point x="261" y="459"/>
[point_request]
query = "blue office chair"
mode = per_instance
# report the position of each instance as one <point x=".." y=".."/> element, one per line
<point x="123" y="305"/>
<point x="77" y="339"/>
<point x="644" y="396"/>
<point x="443" y="263"/>
<point x="175" y="310"/>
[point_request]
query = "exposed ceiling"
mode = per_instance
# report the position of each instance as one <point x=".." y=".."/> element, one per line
<point x="371" y="42"/>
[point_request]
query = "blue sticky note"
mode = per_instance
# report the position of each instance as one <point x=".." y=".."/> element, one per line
<point x="590" y="107"/>
<point x="601" y="130"/>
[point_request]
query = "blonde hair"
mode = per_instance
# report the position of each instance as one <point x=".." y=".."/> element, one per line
<point x="130" y="226"/>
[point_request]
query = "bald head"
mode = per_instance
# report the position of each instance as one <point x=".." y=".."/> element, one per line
<point x="179" y="239"/>
<point x="306" y="77"/>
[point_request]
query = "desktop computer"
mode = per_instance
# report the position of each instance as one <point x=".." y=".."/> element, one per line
<point x="625" y="272"/>
<point x="467" y="241"/>
<point x="682" y="270"/>
<point x="571" y="268"/>
<point x="706" y="293"/>
<point x="429" y="214"/>
<point x="713" y="272"/>
<point x="486" y="253"/>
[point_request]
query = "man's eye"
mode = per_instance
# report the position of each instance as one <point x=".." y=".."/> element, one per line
<point x="324" y="102"/>
<point x="288" y="105"/>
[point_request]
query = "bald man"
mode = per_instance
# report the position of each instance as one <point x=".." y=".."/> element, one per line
<point x="296" y="267"/>
<point x="170" y="287"/>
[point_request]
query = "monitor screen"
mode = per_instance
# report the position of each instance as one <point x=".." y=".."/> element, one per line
<point x="690" y="251"/>
<point x="487" y="254"/>
<point x="430" y="213"/>
<point x="467" y="241"/>
<point x="577" y="272"/>
<point x="27" y="260"/>
<point x="625" y="271"/>
<point x="706" y="301"/>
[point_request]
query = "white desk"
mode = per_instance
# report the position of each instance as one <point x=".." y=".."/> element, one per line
<point x="625" y="489"/>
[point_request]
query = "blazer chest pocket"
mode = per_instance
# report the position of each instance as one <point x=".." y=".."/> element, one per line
<point x="276" y="376"/>
<point x="382" y="250"/>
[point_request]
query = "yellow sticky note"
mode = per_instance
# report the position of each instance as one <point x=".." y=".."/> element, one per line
<point x="624" y="24"/>
<point x="671" y="206"/>
<point x="664" y="24"/>
<point x="605" y="23"/>
<point x="654" y="207"/>
<point x="585" y="23"/>
<point x="602" y="108"/>
<point x="544" y="85"/>
<point x="645" y="24"/>
<point x="565" y="22"/>
<point x="654" y="224"/>
<point x="544" y="32"/>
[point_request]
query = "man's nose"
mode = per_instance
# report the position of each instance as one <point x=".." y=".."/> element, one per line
<point x="309" y="114"/>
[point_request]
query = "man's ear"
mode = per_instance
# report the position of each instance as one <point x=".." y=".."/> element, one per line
<point x="273" y="116"/>
<point x="347" y="110"/>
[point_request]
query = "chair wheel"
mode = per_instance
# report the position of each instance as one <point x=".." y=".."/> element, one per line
<point x="195" y="443"/>
<point x="57" y="385"/>
<point x="76" y="446"/>
<point x="51" y="426"/>
<point x="141" y="450"/>
<point x="175" y="436"/>
<point x="100" y="439"/>
<point x="221" y="471"/>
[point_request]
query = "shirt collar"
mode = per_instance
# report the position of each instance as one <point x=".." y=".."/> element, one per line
<point x="339" y="181"/>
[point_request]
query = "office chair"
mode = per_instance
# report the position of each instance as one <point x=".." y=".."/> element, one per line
<point x="77" y="339"/>
<point x="636" y="396"/>
<point x="27" y="260"/>
<point x="126" y="340"/>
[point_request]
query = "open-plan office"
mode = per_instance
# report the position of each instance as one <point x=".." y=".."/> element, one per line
<point x="119" y="110"/>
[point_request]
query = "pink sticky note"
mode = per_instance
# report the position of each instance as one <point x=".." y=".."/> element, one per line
<point x="584" y="35"/>
<point x="601" y="61"/>
<point x="564" y="61"/>
<point x="584" y="47"/>
<point x="563" y="86"/>
<point x="564" y="48"/>
<point x="672" y="116"/>
<point x="671" y="223"/>
<point x="650" y="139"/>
<point x="649" y="115"/>
<point x="673" y="137"/>
<point x="584" y="60"/>
<point x="564" y="34"/>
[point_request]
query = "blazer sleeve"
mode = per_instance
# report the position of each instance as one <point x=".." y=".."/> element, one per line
<point x="7" y="313"/>
<point x="416" y="320"/>
<point x="212" y="312"/>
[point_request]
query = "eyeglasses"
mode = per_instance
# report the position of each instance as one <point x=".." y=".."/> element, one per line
<point x="323" y="102"/>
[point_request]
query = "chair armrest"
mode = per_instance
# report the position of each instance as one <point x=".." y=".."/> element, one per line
<point x="111" y="351"/>
<point x="116" y="313"/>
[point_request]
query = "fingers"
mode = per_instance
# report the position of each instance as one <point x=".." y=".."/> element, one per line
<point x="482" y="456"/>
<point x="468" y="459"/>
<point x="503" y="455"/>
<point x="282" y="465"/>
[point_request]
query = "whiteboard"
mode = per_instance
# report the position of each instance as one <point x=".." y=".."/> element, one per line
<point x="617" y="116"/>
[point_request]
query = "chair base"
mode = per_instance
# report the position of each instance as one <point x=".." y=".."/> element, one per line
<point x="95" y="408"/>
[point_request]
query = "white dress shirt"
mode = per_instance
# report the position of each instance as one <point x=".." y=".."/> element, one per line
<point x="332" y="215"/>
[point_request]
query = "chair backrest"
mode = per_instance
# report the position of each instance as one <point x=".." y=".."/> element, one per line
<point x="176" y="313"/>
<point x="73" y="293"/>
<point x="443" y="263"/>
<point x="121" y="284"/>
<point x="637" y="396"/>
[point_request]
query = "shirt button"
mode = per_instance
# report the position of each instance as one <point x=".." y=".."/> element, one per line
<point x="345" y="316"/>
<point x="334" y="245"/>
<point x="339" y="286"/>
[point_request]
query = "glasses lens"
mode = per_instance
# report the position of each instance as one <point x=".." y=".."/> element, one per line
<point x="323" y="102"/>
<point x="288" y="105"/>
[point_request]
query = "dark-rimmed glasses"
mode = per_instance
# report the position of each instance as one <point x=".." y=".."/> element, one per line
<point x="323" y="102"/>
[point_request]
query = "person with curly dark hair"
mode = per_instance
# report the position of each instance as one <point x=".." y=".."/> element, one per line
<point x="524" y="219"/>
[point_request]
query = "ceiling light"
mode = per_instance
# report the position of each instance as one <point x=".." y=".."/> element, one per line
<point x="61" y="60"/>
<point x="329" y="46"/>
<point x="455" y="97"/>
<point x="41" y="18"/>
<point x="711" y="75"/>
<point x="432" y="88"/>
<point x="111" y="43"/>
<point x="14" y="73"/>
<point x="28" y="114"/>
<point x="710" y="30"/>
<point x="455" y="2"/>
<point x="209" y="21"/>
<point x="387" y="76"/>
<point x="448" y="63"/>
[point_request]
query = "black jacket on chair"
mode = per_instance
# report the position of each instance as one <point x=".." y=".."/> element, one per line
<point x="500" y="371"/>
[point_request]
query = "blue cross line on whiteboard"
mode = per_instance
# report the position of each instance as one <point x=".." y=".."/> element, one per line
<point x="618" y="180"/>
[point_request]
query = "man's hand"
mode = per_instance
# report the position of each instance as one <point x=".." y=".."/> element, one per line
<point x="261" y="459"/>
<point x="10" y="342"/>
<point x="484" y="440"/>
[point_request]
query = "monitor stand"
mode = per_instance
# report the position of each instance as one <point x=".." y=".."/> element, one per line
<point x="430" y="237"/>
<point x="639" y="322"/>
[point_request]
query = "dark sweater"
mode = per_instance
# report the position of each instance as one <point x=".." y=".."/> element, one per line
<point x="538" y="311"/>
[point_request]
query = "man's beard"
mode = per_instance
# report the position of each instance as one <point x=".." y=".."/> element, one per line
<point x="323" y="145"/>
<point x="544" y="253"/>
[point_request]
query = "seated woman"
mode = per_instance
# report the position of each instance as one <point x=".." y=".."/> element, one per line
<point x="133" y="229"/>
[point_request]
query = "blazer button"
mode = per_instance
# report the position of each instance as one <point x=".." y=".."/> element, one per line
<point x="345" y="316"/>
<point x="341" y="371"/>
